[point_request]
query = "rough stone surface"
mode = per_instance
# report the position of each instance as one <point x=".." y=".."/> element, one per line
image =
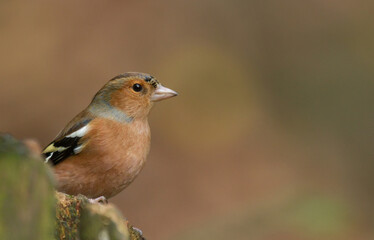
<point x="68" y="212"/>
<point x="27" y="203"/>
<point x="31" y="209"/>
<point x="102" y="222"/>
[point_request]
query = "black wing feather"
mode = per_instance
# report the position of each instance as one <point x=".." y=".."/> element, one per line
<point x="57" y="156"/>
<point x="63" y="147"/>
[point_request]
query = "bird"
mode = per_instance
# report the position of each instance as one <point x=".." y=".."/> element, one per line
<point x="103" y="148"/>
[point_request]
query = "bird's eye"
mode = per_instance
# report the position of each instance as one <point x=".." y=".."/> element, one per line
<point x="137" y="87"/>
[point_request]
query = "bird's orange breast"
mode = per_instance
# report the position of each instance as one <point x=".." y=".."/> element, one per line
<point x="113" y="156"/>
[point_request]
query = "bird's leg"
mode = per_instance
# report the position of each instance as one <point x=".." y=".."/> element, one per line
<point x="100" y="200"/>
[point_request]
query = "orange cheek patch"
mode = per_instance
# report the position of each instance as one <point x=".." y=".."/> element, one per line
<point x="119" y="99"/>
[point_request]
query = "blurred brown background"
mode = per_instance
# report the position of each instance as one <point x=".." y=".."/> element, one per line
<point x="271" y="136"/>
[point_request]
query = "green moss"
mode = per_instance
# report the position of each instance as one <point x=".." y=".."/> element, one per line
<point x="102" y="222"/>
<point x="68" y="212"/>
<point x="29" y="209"/>
<point x="26" y="194"/>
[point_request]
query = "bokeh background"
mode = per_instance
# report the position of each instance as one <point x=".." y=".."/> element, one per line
<point x="271" y="136"/>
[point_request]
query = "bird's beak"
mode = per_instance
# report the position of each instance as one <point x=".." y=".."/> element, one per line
<point x="162" y="93"/>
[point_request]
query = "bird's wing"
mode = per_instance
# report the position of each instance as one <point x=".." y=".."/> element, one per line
<point x="68" y="142"/>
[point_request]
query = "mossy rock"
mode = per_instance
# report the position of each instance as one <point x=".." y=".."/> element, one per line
<point x="102" y="222"/>
<point x="27" y="202"/>
<point x="77" y="218"/>
<point x="31" y="209"/>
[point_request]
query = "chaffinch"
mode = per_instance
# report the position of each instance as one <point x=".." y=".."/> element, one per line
<point x="104" y="147"/>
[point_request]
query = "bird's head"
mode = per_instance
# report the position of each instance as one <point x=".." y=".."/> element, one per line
<point x="132" y="93"/>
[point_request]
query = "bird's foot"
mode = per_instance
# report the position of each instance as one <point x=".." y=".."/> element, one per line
<point x="100" y="200"/>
